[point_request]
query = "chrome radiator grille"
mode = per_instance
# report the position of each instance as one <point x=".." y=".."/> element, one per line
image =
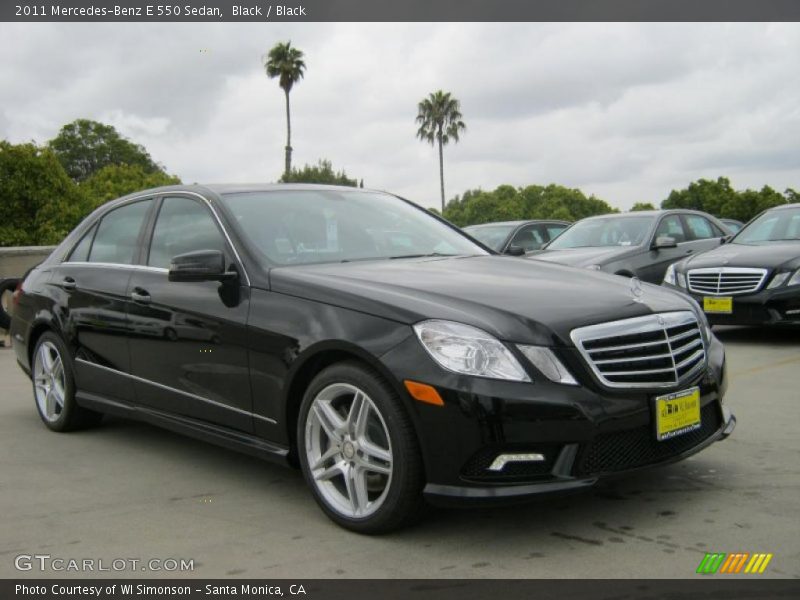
<point x="726" y="281"/>
<point x="658" y="350"/>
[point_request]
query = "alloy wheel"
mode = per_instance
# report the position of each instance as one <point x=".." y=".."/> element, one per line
<point x="49" y="381"/>
<point x="348" y="450"/>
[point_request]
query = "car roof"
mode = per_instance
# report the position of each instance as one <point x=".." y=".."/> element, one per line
<point x="514" y="223"/>
<point x="785" y="206"/>
<point x="651" y="213"/>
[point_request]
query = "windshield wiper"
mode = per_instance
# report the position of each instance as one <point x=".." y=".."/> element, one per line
<point x="432" y="254"/>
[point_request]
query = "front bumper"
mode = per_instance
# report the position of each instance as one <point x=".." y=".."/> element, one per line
<point x="779" y="306"/>
<point x="584" y="433"/>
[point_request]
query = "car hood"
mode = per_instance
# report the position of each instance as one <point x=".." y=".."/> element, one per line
<point x="583" y="257"/>
<point x="515" y="299"/>
<point x="776" y="255"/>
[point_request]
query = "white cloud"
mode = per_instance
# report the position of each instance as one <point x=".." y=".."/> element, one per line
<point x="624" y="111"/>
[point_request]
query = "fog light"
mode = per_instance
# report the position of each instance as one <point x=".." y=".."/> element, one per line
<point x="502" y="460"/>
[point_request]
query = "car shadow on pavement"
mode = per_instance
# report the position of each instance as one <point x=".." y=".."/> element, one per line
<point x="779" y="336"/>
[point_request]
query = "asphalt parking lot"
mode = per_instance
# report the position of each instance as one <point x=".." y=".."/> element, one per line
<point x="128" y="490"/>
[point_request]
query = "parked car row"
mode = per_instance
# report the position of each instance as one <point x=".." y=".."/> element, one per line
<point x="388" y="355"/>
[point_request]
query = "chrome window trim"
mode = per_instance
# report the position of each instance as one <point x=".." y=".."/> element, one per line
<point x="637" y="325"/>
<point x="177" y="391"/>
<point x="81" y="263"/>
<point x="153" y="196"/>
<point x="720" y="271"/>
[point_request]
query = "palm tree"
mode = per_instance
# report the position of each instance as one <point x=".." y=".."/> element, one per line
<point x="439" y="118"/>
<point x="286" y="63"/>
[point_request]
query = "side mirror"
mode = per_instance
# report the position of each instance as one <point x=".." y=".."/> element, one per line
<point x="725" y="239"/>
<point x="202" y="265"/>
<point x="515" y="250"/>
<point x="664" y="241"/>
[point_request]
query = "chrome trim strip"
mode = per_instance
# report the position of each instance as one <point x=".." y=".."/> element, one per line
<point x="81" y="263"/>
<point x="177" y="391"/>
<point x="660" y="322"/>
<point x="709" y="280"/>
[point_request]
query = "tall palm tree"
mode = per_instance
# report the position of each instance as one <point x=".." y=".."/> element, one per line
<point x="286" y="63"/>
<point x="439" y="118"/>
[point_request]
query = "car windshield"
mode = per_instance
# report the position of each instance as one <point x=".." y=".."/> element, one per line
<point x="319" y="226"/>
<point x="773" y="226"/>
<point x="605" y="231"/>
<point x="493" y="236"/>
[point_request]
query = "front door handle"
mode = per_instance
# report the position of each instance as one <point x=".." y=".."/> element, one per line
<point x="140" y="296"/>
<point x="69" y="283"/>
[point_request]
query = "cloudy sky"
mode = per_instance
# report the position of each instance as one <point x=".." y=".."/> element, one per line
<point x="623" y="111"/>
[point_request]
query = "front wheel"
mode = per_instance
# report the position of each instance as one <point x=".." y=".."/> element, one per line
<point x="358" y="451"/>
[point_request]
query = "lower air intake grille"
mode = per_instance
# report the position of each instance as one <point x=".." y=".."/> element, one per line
<point x="659" y="350"/>
<point x="638" y="447"/>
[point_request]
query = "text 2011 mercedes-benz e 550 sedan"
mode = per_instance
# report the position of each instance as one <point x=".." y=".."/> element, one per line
<point x="366" y="340"/>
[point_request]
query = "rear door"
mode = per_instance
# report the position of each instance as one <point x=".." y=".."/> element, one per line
<point x="93" y="282"/>
<point x="703" y="234"/>
<point x="188" y="339"/>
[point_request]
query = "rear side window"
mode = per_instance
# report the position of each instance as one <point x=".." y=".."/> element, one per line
<point x="118" y="233"/>
<point x="701" y="228"/>
<point x="80" y="253"/>
<point x="183" y="225"/>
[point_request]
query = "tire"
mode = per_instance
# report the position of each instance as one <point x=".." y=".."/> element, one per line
<point x="54" y="387"/>
<point x="6" y="286"/>
<point x="372" y="457"/>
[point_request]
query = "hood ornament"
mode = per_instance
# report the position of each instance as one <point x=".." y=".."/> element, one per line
<point x="636" y="289"/>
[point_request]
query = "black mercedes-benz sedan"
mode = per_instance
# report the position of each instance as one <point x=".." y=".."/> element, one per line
<point x="367" y="341"/>
<point x="754" y="279"/>
<point x="636" y="244"/>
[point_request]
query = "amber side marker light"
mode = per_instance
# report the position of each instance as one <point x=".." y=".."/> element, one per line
<point x="424" y="393"/>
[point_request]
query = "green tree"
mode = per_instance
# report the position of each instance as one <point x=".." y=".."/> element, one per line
<point x="39" y="203"/>
<point x="322" y="172"/>
<point x="507" y="203"/>
<point x="83" y="147"/>
<point x="440" y="120"/>
<point x="286" y="63"/>
<point x="642" y="206"/>
<point x="114" y="181"/>
<point x="720" y="199"/>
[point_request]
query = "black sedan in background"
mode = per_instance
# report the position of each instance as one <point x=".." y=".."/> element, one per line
<point x="754" y="279"/>
<point x="516" y="237"/>
<point x="637" y="244"/>
<point x="367" y="341"/>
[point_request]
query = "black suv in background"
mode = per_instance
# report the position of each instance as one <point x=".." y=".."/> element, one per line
<point x="754" y="279"/>
<point x="637" y="244"/>
<point x="367" y="341"/>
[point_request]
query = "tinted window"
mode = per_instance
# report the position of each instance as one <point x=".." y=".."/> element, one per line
<point x="314" y="226"/>
<point x="493" y="236"/>
<point x="117" y="234"/>
<point x="183" y="225"/>
<point x="529" y="238"/>
<point x="671" y="226"/>
<point x="701" y="228"/>
<point x="80" y="253"/>
<point x="554" y="230"/>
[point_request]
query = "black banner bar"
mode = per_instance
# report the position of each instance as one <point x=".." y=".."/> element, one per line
<point x="423" y="589"/>
<point x="397" y="10"/>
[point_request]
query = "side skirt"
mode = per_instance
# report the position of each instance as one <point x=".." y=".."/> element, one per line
<point x="234" y="440"/>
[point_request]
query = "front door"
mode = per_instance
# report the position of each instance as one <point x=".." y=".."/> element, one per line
<point x="188" y="340"/>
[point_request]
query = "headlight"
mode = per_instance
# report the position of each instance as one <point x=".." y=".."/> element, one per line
<point x="468" y="350"/>
<point x="548" y="363"/>
<point x="669" y="276"/>
<point x="593" y="267"/>
<point x="779" y="279"/>
<point x="795" y="279"/>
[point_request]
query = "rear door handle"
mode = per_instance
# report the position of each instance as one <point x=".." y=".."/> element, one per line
<point x="140" y="296"/>
<point x="69" y="283"/>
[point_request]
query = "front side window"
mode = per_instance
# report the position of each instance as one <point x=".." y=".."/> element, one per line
<point x="528" y="238"/>
<point x="604" y="231"/>
<point x="183" y="225"/>
<point x="118" y="233"/>
<point x="555" y="230"/>
<point x="494" y="236"/>
<point x="316" y="226"/>
<point x="701" y="228"/>
<point x="671" y="227"/>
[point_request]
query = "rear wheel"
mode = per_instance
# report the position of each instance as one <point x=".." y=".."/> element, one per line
<point x="54" y="387"/>
<point x="358" y="451"/>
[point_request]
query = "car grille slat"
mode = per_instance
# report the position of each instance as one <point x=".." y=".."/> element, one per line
<point x="717" y="281"/>
<point x="670" y="348"/>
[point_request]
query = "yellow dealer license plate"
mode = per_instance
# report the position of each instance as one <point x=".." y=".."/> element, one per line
<point x="677" y="413"/>
<point x="718" y="304"/>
